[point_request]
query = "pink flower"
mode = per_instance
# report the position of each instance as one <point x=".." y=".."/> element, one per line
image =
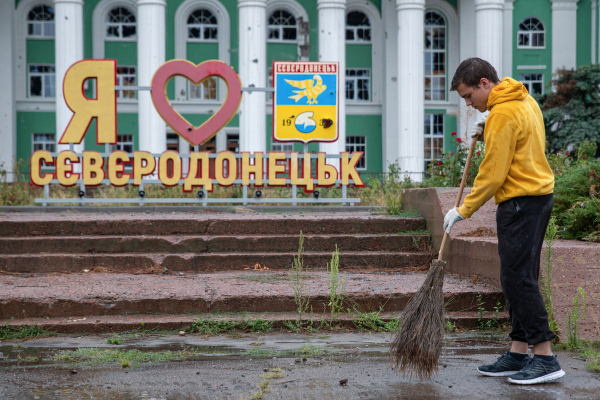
<point x="452" y="153"/>
<point x="478" y="153"/>
<point x="453" y="133"/>
<point x="458" y="139"/>
<point x="440" y="163"/>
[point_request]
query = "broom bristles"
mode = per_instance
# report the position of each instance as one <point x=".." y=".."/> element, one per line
<point x="417" y="345"/>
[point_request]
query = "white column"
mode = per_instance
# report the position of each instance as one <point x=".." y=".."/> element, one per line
<point x="390" y="85"/>
<point x="507" y="42"/>
<point x="466" y="9"/>
<point x="151" y="55"/>
<point x="332" y="47"/>
<point x="488" y="31"/>
<point x="68" y="49"/>
<point x="8" y="116"/>
<point x="221" y="141"/>
<point x="253" y="72"/>
<point x="564" y="34"/>
<point x="411" y="103"/>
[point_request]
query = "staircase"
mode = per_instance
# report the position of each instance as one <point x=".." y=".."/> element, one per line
<point x="74" y="272"/>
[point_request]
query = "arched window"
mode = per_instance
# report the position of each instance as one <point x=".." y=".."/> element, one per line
<point x="202" y="26"/>
<point x="120" y="24"/>
<point x="531" y="33"/>
<point x="435" y="56"/>
<point x="282" y="27"/>
<point x="40" y="22"/>
<point x="358" y="27"/>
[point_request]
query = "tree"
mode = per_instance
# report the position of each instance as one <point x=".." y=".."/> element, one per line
<point x="572" y="110"/>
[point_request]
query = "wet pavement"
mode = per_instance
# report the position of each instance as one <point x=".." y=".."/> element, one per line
<point x="233" y="367"/>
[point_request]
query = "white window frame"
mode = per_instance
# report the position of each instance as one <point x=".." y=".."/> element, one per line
<point x="281" y="27"/>
<point x="355" y="147"/>
<point x="43" y="24"/>
<point x="430" y="52"/>
<point x="201" y="27"/>
<point x="355" y="28"/>
<point x="48" y="145"/>
<point x="43" y="76"/>
<point x="430" y="135"/>
<point x="120" y="25"/>
<point x="528" y="83"/>
<point x="120" y="82"/>
<point x="124" y="139"/>
<point x="282" y="147"/>
<point x="530" y="33"/>
<point x="202" y="91"/>
<point x="356" y="79"/>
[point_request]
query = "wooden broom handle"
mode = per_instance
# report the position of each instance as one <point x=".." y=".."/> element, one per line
<point x="460" y="191"/>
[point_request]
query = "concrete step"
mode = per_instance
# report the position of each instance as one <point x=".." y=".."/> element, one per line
<point x="208" y="244"/>
<point x="206" y="262"/>
<point x="87" y="295"/>
<point x="146" y="323"/>
<point x="29" y="225"/>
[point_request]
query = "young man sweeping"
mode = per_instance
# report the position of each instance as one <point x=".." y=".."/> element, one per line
<point x="515" y="172"/>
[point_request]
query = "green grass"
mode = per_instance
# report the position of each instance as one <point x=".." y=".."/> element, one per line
<point x="9" y="332"/>
<point x="211" y="327"/>
<point x="125" y="358"/>
<point x="372" y="321"/>
<point x="306" y="351"/>
<point x="114" y="340"/>
<point x="407" y="214"/>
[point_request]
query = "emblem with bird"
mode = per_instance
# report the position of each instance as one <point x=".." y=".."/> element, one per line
<point x="312" y="89"/>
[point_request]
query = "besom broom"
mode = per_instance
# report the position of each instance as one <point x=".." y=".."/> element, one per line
<point x="417" y="345"/>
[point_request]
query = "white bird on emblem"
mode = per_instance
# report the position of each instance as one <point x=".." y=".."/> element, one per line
<point x="311" y="90"/>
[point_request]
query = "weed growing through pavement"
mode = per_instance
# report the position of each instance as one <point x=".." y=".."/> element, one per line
<point x="573" y="317"/>
<point x="211" y="327"/>
<point x="97" y="356"/>
<point x="306" y="350"/>
<point x="490" y="324"/>
<point x="114" y="340"/>
<point x="371" y="321"/>
<point x="550" y="238"/>
<point x="8" y="332"/>
<point x="297" y="276"/>
<point x="337" y="286"/>
<point x="450" y="326"/>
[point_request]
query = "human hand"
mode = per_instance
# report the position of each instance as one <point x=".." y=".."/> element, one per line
<point x="478" y="127"/>
<point x="451" y="218"/>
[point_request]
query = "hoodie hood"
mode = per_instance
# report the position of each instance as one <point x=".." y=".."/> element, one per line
<point x="508" y="90"/>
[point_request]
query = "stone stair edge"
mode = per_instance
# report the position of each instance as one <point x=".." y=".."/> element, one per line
<point x="148" y="323"/>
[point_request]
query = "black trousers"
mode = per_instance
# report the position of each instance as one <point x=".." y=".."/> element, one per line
<point x="522" y="223"/>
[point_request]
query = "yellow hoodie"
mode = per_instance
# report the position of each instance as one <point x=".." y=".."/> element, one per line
<point x="514" y="164"/>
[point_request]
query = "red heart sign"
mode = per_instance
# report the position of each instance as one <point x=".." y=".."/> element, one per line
<point x="196" y="73"/>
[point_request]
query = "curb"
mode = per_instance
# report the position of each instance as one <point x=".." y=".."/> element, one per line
<point x="185" y="209"/>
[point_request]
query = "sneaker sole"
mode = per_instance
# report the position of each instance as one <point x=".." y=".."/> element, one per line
<point x="541" y="379"/>
<point x="503" y="373"/>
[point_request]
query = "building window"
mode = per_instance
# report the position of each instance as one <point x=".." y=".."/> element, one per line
<point x="233" y="143"/>
<point x="531" y="33"/>
<point x="434" y="137"/>
<point x="357" y="84"/>
<point x="533" y="82"/>
<point x="124" y="143"/>
<point x="205" y="90"/>
<point x="282" y="27"/>
<point x="40" y="22"/>
<point x="358" y="27"/>
<point x="282" y="147"/>
<point x="120" y="24"/>
<point x="125" y="77"/>
<point x="173" y="142"/>
<point x="355" y="144"/>
<point x="42" y="81"/>
<point x="202" y="26"/>
<point x="435" y="56"/>
<point x="44" y="141"/>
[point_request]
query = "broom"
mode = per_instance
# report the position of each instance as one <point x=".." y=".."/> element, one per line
<point x="417" y="344"/>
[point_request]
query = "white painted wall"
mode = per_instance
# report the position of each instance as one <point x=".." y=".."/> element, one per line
<point x="150" y="55"/>
<point x="8" y="116"/>
<point x="252" y="71"/>
<point x="564" y="34"/>
<point x="68" y="19"/>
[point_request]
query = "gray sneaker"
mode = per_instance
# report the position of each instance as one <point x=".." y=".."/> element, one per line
<point x="538" y="371"/>
<point x="505" y="365"/>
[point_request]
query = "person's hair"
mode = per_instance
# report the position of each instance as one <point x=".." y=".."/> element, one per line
<point x="471" y="71"/>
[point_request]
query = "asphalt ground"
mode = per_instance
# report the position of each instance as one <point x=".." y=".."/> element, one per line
<point x="232" y="366"/>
